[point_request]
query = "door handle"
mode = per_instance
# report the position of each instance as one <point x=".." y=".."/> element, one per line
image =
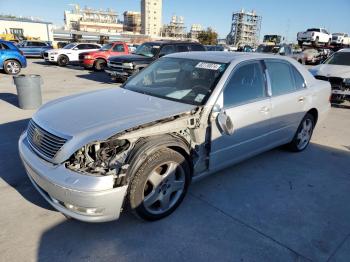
<point x="264" y="109"/>
<point x="301" y="99"/>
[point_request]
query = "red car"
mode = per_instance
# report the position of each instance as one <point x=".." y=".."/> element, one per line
<point x="98" y="59"/>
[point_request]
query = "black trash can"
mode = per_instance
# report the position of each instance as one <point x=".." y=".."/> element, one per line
<point x="28" y="91"/>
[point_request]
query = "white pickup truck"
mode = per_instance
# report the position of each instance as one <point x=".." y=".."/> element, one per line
<point x="314" y="36"/>
<point x="341" y="39"/>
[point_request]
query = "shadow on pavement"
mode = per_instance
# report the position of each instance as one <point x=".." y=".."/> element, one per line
<point x="101" y="77"/>
<point x="11" y="169"/>
<point x="9" y="98"/>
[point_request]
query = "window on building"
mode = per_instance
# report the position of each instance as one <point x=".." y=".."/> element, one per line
<point x="17" y="31"/>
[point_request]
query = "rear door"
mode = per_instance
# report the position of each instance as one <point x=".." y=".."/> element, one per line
<point x="289" y="100"/>
<point x="247" y="103"/>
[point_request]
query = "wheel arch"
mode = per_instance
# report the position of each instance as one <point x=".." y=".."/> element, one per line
<point x="144" y="147"/>
<point x="15" y="59"/>
<point x="314" y="113"/>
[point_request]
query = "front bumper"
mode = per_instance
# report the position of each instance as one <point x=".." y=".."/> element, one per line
<point x="79" y="196"/>
<point x="117" y="73"/>
<point x="51" y="58"/>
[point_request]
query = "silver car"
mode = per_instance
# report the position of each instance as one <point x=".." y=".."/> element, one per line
<point x="184" y="117"/>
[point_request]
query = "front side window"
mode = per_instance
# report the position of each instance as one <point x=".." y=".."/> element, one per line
<point x="182" y="48"/>
<point x="281" y="77"/>
<point x="106" y="47"/>
<point x="148" y="49"/>
<point x="245" y="85"/>
<point x="166" y="50"/>
<point x="178" y="79"/>
<point x="69" y="46"/>
<point x="119" y="48"/>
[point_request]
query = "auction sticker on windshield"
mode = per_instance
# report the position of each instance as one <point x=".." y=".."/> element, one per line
<point x="209" y="66"/>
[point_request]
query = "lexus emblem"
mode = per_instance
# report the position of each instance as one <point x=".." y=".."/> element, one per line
<point x="37" y="137"/>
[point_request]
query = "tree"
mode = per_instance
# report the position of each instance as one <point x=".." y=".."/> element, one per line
<point x="208" y="37"/>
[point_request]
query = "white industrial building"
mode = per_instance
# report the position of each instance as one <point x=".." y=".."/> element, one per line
<point x="151" y="17"/>
<point x="25" y="28"/>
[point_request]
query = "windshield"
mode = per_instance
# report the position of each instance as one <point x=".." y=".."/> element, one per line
<point x="342" y="58"/>
<point x="272" y="38"/>
<point x="178" y="79"/>
<point x="147" y="49"/>
<point x="313" y="30"/>
<point x="267" y="49"/>
<point x="106" y="47"/>
<point x="69" y="46"/>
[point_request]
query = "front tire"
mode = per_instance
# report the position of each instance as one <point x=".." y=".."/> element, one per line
<point x="63" y="60"/>
<point x="303" y="135"/>
<point x="12" y="67"/>
<point x="159" y="185"/>
<point x="100" y="65"/>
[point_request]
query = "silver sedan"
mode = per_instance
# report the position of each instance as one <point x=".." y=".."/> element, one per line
<point x="184" y="117"/>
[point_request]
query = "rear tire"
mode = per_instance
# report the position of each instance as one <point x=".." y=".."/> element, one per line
<point x="100" y="65"/>
<point x="12" y="67"/>
<point x="63" y="60"/>
<point x="159" y="185"/>
<point x="303" y="135"/>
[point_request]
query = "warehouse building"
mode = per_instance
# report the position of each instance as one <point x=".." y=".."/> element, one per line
<point x="25" y="28"/>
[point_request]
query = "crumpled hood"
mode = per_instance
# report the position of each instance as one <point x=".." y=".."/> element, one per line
<point x="104" y="113"/>
<point x="331" y="70"/>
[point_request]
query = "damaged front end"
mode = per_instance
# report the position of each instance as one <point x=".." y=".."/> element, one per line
<point x="101" y="158"/>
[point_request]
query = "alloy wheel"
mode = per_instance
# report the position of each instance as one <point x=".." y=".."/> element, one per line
<point x="13" y="67"/>
<point x="163" y="188"/>
<point x="305" y="133"/>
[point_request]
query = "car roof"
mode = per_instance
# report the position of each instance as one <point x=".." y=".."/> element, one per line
<point x="344" y="50"/>
<point x="165" y="42"/>
<point x="224" y="57"/>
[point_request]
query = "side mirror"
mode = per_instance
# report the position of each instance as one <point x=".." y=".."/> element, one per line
<point x="225" y="123"/>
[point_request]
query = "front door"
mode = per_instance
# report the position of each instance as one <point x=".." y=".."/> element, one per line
<point x="248" y="105"/>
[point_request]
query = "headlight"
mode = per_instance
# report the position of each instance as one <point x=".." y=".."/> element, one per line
<point x="128" y="65"/>
<point x="99" y="158"/>
<point x="346" y="81"/>
<point x="88" y="57"/>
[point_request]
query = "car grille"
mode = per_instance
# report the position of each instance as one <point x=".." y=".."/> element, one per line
<point x="334" y="38"/>
<point x="44" y="142"/>
<point x="336" y="82"/>
<point x="115" y="64"/>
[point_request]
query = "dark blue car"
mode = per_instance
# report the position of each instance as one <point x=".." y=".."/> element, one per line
<point x="11" y="58"/>
<point x="34" y="48"/>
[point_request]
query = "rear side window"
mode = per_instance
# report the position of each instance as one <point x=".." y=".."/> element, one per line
<point x="245" y="85"/>
<point x="299" y="79"/>
<point x="3" y="46"/>
<point x="281" y="77"/>
<point x="118" y="48"/>
<point x="197" y="48"/>
<point x="182" y="48"/>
